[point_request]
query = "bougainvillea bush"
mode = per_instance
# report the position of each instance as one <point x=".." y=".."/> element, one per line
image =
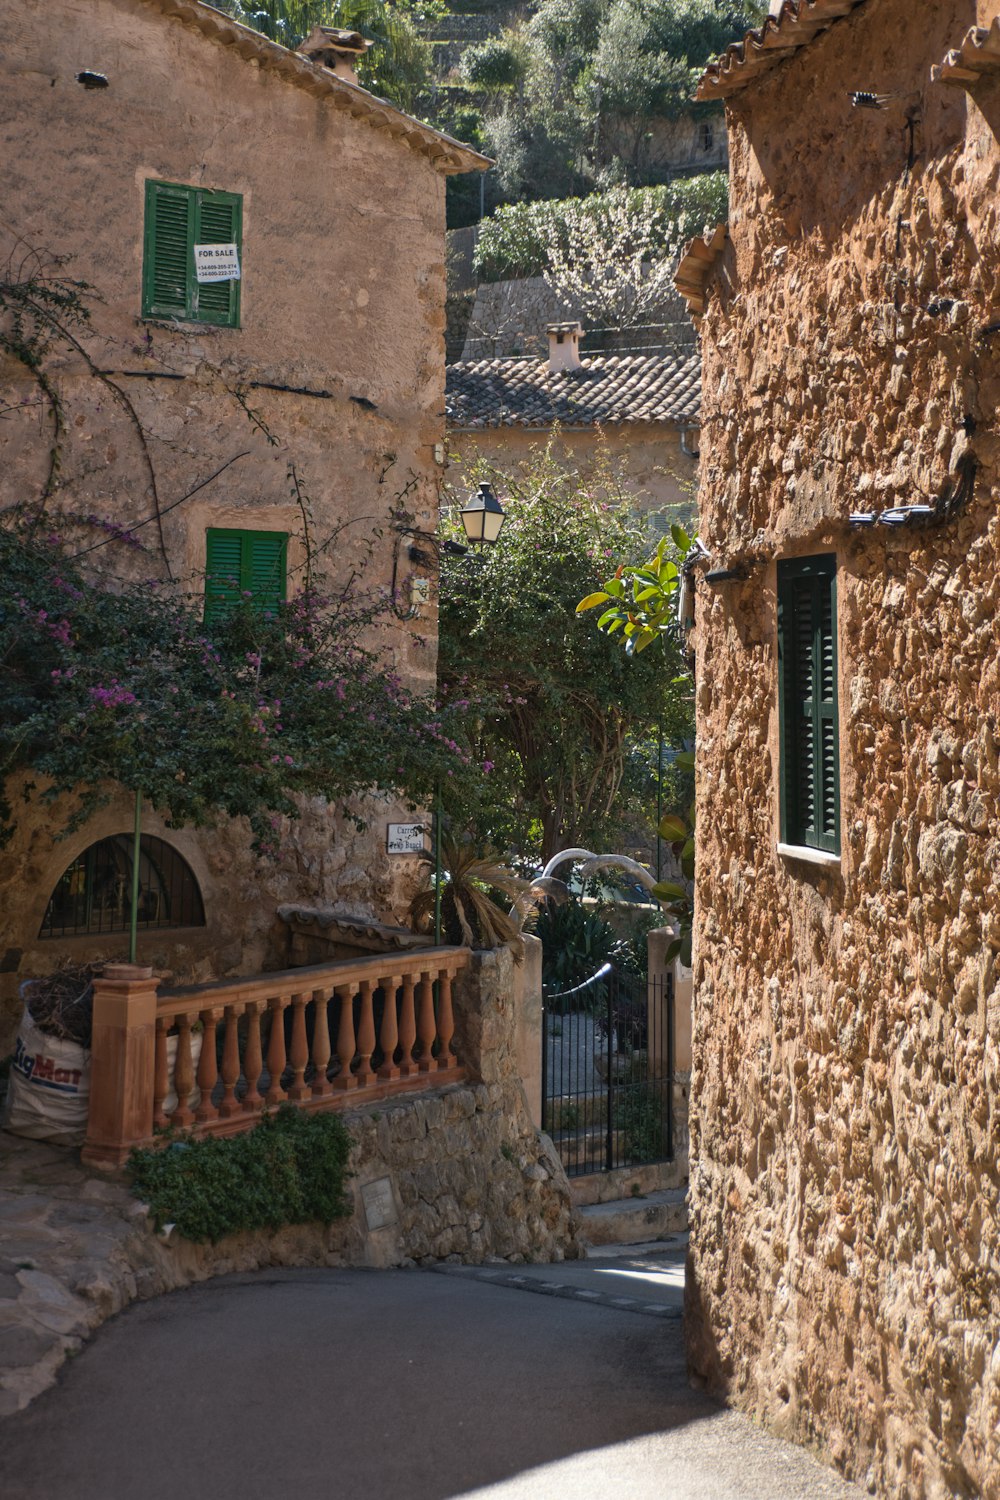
<point x="127" y="685"/>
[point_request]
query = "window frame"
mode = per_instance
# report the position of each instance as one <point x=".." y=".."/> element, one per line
<point x="192" y="312"/>
<point x="796" y="832"/>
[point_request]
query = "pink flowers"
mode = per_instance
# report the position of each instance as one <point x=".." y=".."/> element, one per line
<point x="112" y="696"/>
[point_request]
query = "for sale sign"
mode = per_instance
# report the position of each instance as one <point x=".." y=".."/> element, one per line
<point x="216" y="263"/>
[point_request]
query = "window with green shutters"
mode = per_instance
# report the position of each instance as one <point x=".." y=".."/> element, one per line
<point x="242" y="563"/>
<point x="807" y="689"/>
<point x="177" y="219"/>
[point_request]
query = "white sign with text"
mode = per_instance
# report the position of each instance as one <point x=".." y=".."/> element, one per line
<point x="216" y="263"/>
<point x="405" y="838"/>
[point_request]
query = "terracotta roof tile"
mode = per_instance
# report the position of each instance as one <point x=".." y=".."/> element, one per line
<point x="608" y="388"/>
<point x="977" y="53"/>
<point x="795" y="25"/>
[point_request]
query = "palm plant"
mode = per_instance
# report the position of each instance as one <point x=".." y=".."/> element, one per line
<point x="471" y="912"/>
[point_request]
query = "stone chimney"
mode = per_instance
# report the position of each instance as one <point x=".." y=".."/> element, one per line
<point x="564" y="346"/>
<point x="335" y="49"/>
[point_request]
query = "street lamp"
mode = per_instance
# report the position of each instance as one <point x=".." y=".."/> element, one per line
<point x="483" y="517"/>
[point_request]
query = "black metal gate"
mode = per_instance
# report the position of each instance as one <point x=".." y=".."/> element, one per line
<point x="607" y="1066"/>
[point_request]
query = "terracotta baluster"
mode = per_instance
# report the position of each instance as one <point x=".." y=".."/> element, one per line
<point x="253" y="1062"/>
<point x="321" y="1085"/>
<point x="389" y="1034"/>
<point x="446" y="1021"/>
<point x="161" y="1076"/>
<point x="299" y="1051"/>
<point x="183" y="1075"/>
<point x="407" y="1029"/>
<point x="229" y="1104"/>
<point x="276" y="1053"/>
<point x="426" y="1024"/>
<point x="366" y="1034"/>
<point x="345" y="1038"/>
<point x="208" y="1069"/>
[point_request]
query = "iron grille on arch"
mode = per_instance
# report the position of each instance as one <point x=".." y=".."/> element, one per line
<point x="94" y="895"/>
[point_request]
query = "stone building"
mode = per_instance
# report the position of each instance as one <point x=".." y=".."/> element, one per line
<point x="249" y="420"/>
<point x="844" y="1282"/>
<point x="636" y="412"/>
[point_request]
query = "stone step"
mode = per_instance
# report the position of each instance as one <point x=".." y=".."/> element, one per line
<point x="634" y="1221"/>
<point x="632" y="1182"/>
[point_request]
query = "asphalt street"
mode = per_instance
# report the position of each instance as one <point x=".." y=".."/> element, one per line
<point x="397" y="1385"/>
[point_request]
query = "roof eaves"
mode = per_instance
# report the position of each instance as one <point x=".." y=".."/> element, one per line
<point x="695" y="266"/>
<point x="447" y="155"/>
<point x="977" y="54"/>
<point x="795" y="26"/>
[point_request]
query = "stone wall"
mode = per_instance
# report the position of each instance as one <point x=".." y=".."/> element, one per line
<point x="845" y="1191"/>
<point x="337" y="373"/>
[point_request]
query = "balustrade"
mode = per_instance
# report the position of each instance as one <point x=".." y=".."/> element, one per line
<point x="320" y="1037"/>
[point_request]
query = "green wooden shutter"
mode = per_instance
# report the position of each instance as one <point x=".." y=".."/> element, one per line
<point x="238" y="563"/>
<point x="167" y="257"/>
<point x="807" y="664"/>
<point x="218" y="221"/>
<point x="177" y="219"/>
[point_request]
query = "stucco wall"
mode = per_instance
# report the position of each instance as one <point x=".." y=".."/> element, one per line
<point x="845" y="1272"/>
<point x="647" y="456"/>
<point x="342" y="295"/>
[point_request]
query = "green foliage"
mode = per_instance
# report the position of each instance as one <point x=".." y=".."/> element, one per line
<point x="640" y="599"/>
<point x="576" y="942"/>
<point x="396" y="67"/>
<point x="492" y="64"/>
<point x="518" y="239"/>
<point x="126" y="686"/>
<point x="290" y="1169"/>
<point x="564" y="706"/>
<point x="476" y="897"/>
<point x="638" y="1114"/>
<point x="595" y="75"/>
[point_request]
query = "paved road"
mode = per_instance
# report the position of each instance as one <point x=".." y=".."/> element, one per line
<point x="392" y="1385"/>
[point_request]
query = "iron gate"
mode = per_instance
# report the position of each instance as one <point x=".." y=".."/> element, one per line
<point x="607" y="1067"/>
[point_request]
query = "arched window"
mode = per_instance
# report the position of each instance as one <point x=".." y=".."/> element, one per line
<point x="95" y="894"/>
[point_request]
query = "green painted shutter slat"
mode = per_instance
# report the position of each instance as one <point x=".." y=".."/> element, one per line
<point x="241" y="563"/>
<point x="223" y="572"/>
<point x="177" y="219"/>
<point x="807" y="665"/>
<point x="167" y="253"/>
<point x="217" y="222"/>
<point x="267" y="569"/>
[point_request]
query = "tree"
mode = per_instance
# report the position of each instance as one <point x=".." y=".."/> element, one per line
<point x="398" y="65"/>
<point x="563" y="734"/>
<point x="641" y="601"/>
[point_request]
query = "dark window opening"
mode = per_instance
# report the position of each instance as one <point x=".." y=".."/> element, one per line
<point x="807" y="693"/>
<point x="95" y="894"/>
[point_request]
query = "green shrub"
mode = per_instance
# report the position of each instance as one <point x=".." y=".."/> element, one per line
<point x="290" y="1169"/>
<point x="576" y="941"/>
<point x="491" y="64"/>
<point x="516" y="240"/>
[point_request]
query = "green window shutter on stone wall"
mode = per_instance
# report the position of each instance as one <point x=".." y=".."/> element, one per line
<point x="238" y="563"/>
<point x="177" y="219"/>
<point x="807" y="696"/>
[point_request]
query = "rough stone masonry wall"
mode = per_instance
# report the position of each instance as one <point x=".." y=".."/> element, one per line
<point x="845" y="1199"/>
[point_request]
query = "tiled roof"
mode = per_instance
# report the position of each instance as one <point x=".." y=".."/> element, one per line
<point x="977" y="53"/>
<point x="795" y="25"/>
<point x="608" y="388"/>
<point x="447" y="155"/>
<point x="694" y="268"/>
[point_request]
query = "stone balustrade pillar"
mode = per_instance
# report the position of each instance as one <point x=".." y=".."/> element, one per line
<point x="122" y="1069"/>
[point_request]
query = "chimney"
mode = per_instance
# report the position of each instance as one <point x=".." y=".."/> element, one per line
<point x="335" y="49"/>
<point x="564" y="346"/>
